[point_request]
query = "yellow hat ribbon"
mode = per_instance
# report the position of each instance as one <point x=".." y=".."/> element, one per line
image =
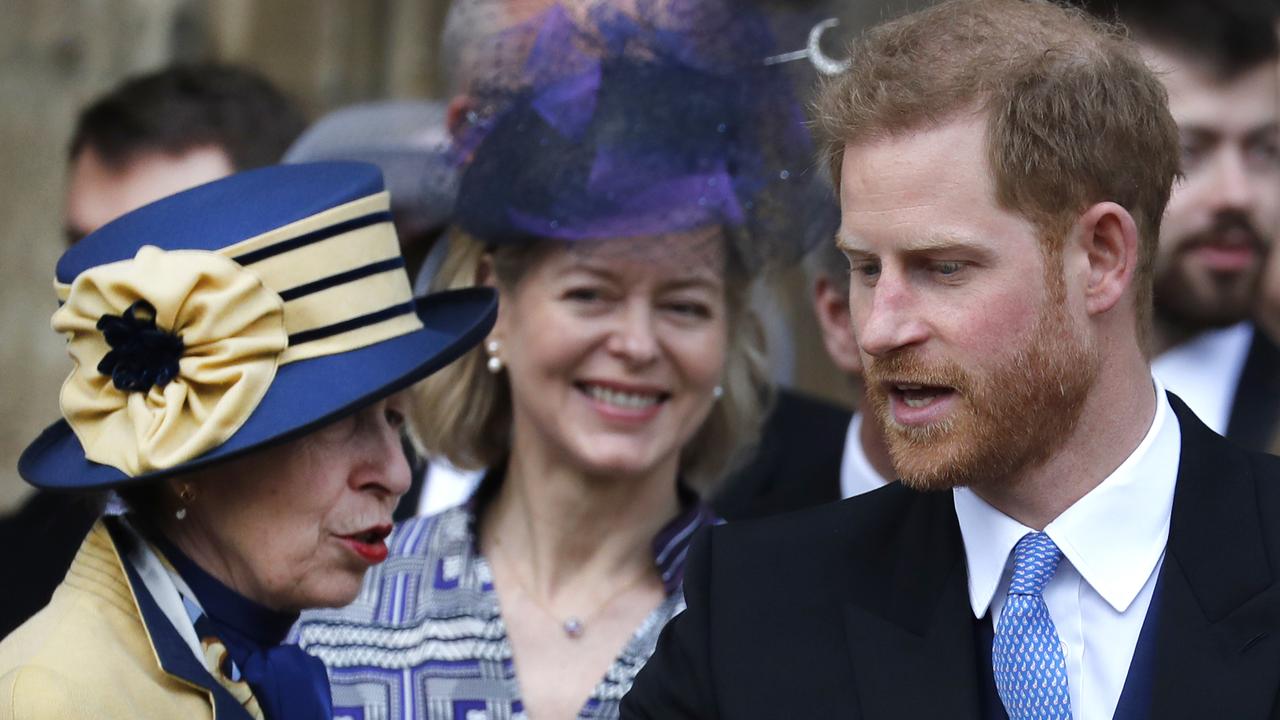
<point x="232" y="331"/>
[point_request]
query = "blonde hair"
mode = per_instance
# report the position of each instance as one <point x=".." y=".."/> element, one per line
<point x="1075" y="116"/>
<point x="463" y="412"/>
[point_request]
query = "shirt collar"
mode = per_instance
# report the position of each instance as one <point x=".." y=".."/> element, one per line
<point x="857" y="475"/>
<point x="1205" y="371"/>
<point x="670" y="545"/>
<point x="1114" y="536"/>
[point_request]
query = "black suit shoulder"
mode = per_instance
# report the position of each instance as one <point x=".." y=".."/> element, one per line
<point x="1227" y="500"/>
<point x="766" y="598"/>
<point x="1218" y="584"/>
<point x="49" y="528"/>
<point x="820" y="532"/>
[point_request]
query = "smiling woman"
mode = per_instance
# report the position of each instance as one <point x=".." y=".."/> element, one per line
<point x="238" y="382"/>
<point x="620" y="203"/>
<point x="679" y="298"/>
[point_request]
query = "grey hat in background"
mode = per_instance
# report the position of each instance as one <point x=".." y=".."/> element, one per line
<point x="408" y="140"/>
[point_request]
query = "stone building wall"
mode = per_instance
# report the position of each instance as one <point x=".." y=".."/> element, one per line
<point x="56" y="55"/>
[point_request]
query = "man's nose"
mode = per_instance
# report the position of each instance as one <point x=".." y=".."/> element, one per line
<point x="1232" y="185"/>
<point x="890" y="319"/>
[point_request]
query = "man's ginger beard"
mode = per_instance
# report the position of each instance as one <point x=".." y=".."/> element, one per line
<point x="1005" y="420"/>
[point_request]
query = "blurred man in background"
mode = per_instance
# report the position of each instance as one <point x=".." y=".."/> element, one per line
<point x="1218" y="61"/>
<point x="168" y="131"/>
<point x="812" y="451"/>
<point x="152" y="136"/>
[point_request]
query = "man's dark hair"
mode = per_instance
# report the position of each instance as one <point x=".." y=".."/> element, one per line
<point x="185" y="107"/>
<point x="1231" y="35"/>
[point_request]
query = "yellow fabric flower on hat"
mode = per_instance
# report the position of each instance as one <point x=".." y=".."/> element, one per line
<point x="225" y="331"/>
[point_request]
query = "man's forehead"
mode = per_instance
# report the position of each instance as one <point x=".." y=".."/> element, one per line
<point x="1199" y="94"/>
<point x="931" y="173"/>
<point x="913" y="163"/>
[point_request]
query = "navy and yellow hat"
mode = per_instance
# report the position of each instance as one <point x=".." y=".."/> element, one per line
<point x="236" y="315"/>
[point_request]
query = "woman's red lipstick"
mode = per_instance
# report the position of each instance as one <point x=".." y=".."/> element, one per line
<point x="369" y="544"/>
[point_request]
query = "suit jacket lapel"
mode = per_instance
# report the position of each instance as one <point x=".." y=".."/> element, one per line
<point x="908" y="620"/>
<point x="1218" y="654"/>
<point x="172" y="652"/>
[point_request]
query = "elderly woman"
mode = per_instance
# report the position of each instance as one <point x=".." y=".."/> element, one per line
<point x="240" y="351"/>
<point x="619" y="208"/>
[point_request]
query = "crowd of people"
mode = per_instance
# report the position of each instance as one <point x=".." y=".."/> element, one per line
<point x="462" y="409"/>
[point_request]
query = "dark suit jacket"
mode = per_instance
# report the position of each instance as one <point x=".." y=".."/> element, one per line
<point x="41" y="539"/>
<point x="1255" y="411"/>
<point x="797" y="464"/>
<point x="859" y="609"/>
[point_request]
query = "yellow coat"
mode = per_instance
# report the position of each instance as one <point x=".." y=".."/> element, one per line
<point x="102" y="649"/>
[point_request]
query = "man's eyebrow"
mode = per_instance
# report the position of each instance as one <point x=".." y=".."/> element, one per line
<point x="1262" y="131"/>
<point x="844" y="242"/>
<point x="941" y="243"/>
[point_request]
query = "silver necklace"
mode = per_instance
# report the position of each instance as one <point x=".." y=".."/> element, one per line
<point x="574" y="626"/>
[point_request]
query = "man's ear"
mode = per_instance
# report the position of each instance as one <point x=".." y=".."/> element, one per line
<point x="1106" y="237"/>
<point x="832" y="308"/>
<point x="455" y="114"/>
<point x="484" y="271"/>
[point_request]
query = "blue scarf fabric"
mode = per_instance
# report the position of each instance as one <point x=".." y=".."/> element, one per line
<point x="288" y="683"/>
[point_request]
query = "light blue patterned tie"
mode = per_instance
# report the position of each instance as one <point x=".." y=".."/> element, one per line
<point x="1030" y="670"/>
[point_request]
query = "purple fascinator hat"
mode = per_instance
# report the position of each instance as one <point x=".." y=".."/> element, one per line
<point x="658" y="120"/>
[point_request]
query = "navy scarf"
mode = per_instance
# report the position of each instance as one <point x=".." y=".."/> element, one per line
<point x="288" y="683"/>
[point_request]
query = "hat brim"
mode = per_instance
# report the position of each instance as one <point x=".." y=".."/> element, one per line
<point x="303" y="396"/>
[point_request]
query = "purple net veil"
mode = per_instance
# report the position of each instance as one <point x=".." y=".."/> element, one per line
<point x="653" y="119"/>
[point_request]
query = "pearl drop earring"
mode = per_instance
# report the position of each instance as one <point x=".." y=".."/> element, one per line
<point x="495" y="363"/>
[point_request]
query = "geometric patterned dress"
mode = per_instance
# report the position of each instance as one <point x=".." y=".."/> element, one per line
<point x="425" y="638"/>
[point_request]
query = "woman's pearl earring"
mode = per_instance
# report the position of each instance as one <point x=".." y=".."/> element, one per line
<point x="495" y="362"/>
<point x="718" y="392"/>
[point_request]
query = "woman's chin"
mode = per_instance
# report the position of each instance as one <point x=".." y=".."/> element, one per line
<point x="618" y="462"/>
<point x="335" y="593"/>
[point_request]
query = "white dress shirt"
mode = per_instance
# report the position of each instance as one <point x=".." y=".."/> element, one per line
<point x="857" y="476"/>
<point x="446" y="486"/>
<point x="1112" y="541"/>
<point x="1205" y="372"/>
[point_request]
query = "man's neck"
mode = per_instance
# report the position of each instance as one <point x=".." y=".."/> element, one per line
<point x="1116" y="417"/>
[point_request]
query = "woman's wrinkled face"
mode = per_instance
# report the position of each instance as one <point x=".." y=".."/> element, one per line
<point x="613" y="350"/>
<point x="297" y="525"/>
